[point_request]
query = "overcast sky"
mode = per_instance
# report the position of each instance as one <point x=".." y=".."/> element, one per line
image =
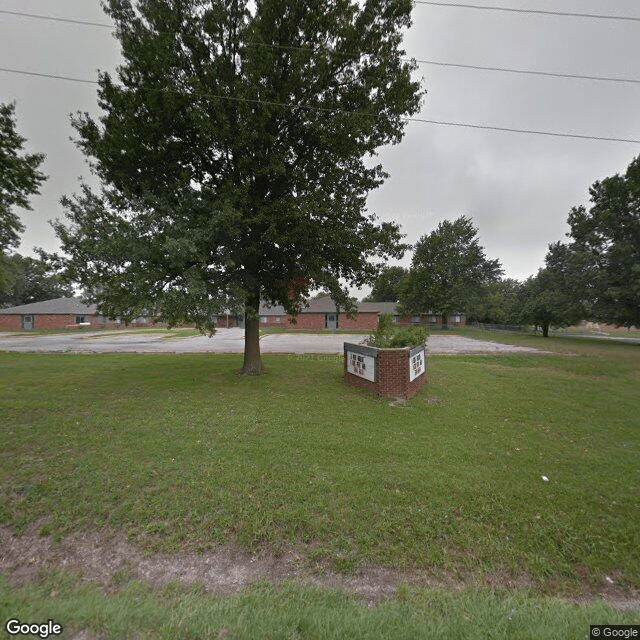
<point x="518" y="188"/>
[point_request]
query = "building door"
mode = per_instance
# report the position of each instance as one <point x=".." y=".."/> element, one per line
<point x="331" y="321"/>
<point x="27" y="323"/>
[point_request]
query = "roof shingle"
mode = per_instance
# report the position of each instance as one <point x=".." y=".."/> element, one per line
<point x="62" y="306"/>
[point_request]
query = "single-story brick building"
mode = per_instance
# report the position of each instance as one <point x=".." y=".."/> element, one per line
<point x="53" y="314"/>
<point x="60" y="313"/>
<point x="320" y="313"/>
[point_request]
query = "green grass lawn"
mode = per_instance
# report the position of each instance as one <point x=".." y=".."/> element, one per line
<point x="182" y="454"/>
<point x="296" y="612"/>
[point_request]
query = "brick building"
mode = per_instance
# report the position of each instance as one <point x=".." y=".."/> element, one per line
<point x="53" y="314"/>
<point x="320" y="313"/>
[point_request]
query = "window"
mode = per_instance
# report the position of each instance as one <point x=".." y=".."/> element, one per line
<point x="264" y="319"/>
<point x="278" y="319"/>
<point x="79" y="319"/>
<point x="415" y="319"/>
<point x="433" y="319"/>
<point x="456" y="319"/>
<point x="396" y="319"/>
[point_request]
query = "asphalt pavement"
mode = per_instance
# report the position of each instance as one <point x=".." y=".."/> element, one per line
<point x="223" y="341"/>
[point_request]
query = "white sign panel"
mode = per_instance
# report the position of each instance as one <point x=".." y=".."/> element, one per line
<point x="363" y="366"/>
<point x="416" y="365"/>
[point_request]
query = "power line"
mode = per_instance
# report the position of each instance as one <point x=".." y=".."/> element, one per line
<point x="528" y="11"/>
<point x="457" y="5"/>
<point x="529" y="131"/>
<point x="430" y="62"/>
<point x="473" y="66"/>
<point x="528" y="72"/>
<point x="55" y="19"/>
<point x="48" y="75"/>
<point x="362" y="113"/>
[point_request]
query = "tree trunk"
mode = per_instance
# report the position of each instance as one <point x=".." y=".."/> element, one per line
<point x="545" y="329"/>
<point x="252" y="361"/>
<point x="445" y="320"/>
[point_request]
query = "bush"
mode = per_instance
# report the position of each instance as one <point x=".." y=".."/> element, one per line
<point x="390" y="336"/>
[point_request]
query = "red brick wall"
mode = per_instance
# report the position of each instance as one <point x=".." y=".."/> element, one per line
<point x="360" y="321"/>
<point x="52" y="321"/>
<point x="392" y="375"/>
<point x="306" y="321"/>
<point x="316" y="321"/>
<point x="424" y="320"/>
<point x="10" y="322"/>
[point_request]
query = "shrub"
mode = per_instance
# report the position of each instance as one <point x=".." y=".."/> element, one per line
<point x="389" y="335"/>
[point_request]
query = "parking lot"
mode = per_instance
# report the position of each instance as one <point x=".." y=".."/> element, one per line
<point x="224" y="341"/>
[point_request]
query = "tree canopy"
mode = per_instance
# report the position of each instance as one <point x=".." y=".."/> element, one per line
<point x="605" y="248"/>
<point x="19" y="179"/>
<point x="499" y="302"/>
<point x="31" y="280"/>
<point x="234" y="153"/>
<point x="448" y="270"/>
<point x="552" y="297"/>
<point x="388" y="285"/>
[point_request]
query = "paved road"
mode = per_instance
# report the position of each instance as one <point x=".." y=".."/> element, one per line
<point x="598" y="337"/>
<point x="224" y="341"/>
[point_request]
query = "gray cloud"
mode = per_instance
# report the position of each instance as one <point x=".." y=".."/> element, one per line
<point x="518" y="188"/>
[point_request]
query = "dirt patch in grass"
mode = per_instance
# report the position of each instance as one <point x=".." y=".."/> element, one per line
<point x="108" y="559"/>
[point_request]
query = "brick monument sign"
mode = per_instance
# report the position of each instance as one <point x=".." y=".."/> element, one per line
<point x="385" y="372"/>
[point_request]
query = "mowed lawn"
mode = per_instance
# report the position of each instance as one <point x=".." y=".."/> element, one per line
<point x="181" y="453"/>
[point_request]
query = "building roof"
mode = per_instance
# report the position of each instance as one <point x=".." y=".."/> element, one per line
<point x="62" y="306"/>
<point x="378" y="307"/>
<point x="268" y="310"/>
<point x="326" y="305"/>
<point x="73" y="306"/>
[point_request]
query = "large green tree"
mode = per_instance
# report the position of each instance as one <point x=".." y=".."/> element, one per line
<point x="235" y="153"/>
<point x="552" y="298"/>
<point x="19" y="179"/>
<point x="496" y="303"/>
<point x="448" y="271"/>
<point x="606" y="248"/>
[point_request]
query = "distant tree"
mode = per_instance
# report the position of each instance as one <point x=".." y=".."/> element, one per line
<point x="606" y="248"/>
<point x="19" y="179"/>
<point x="448" y="270"/>
<point x="31" y="280"/>
<point x="552" y="299"/>
<point x="388" y="285"/>
<point x="497" y="303"/>
<point x="234" y="152"/>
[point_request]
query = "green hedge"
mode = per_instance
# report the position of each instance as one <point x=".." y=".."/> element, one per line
<point x="389" y="335"/>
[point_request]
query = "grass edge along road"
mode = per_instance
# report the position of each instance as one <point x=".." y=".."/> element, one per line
<point x="80" y="423"/>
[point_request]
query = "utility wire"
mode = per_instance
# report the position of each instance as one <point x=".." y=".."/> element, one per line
<point x="48" y="75"/>
<point x="407" y="59"/>
<point x="528" y="11"/>
<point x="70" y="20"/>
<point x="362" y="113"/>
<point x="527" y="71"/>
<point x="456" y="5"/>
<point x="471" y="66"/>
